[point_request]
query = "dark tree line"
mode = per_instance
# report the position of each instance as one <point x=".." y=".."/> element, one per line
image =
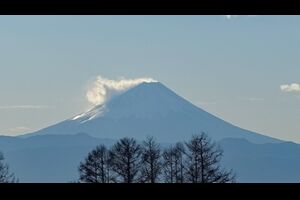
<point x="95" y="168"/>
<point x="173" y="164"/>
<point x="5" y="175"/>
<point x="151" y="161"/>
<point x="194" y="161"/>
<point x="203" y="157"/>
<point x="125" y="161"/>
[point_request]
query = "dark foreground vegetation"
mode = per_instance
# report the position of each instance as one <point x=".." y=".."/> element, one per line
<point x="127" y="161"/>
<point x="5" y="175"/>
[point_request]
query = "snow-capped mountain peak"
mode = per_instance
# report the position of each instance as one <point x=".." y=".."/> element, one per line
<point x="150" y="109"/>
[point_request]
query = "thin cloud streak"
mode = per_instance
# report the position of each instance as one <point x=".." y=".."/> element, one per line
<point x="15" y="107"/>
<point x="18" y="129"/>
<point x="254" y="99"/>
<point x="203" y="103"/>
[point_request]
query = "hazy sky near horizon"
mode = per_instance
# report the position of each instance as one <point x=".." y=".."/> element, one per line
<point x="238" y="68"/>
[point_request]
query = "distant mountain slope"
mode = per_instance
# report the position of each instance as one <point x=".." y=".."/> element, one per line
<point x="55" y="158"/>
<point x="262" y="162"/>
<point x="150" y="109"/>
<point x="48" y="158"/>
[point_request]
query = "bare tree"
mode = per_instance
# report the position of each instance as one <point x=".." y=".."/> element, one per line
<point x="179" y="151"/>
<point x="96" y="167"/>
<point x="168" y="166"/>
<point x="126" y="160"/>
<point x="5" y="175"/>
<point x="173" y="164"/>
<point x="151" y="162"/>
<point x="195" y="161"/>
<point x="203" y="161"/>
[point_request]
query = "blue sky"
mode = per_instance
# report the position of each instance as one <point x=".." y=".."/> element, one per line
<point x="231" y="67"/>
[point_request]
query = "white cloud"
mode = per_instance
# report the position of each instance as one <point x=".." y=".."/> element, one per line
<point x="17" y="130"/>
<point x="230" y="16"/>
<point x="234" y="16"/>
<point x="102" y="89"/>
<point x="23" y="107"/>
<point x="294" y="87"/>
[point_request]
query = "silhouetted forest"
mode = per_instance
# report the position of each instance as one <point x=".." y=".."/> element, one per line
<point x="5" y="175"/>
<point x="128" y="161"/>
<point x="194" y="161"/>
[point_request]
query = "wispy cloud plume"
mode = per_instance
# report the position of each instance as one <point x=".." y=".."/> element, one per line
<point x="294" y="87"/>
<point x="24" y="107"/>
<point x="102" y="89"/>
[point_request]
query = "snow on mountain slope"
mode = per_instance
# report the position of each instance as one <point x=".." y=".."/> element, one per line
<point x="150" y="109"/>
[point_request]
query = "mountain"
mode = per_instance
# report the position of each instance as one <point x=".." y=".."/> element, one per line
<point x="53" y="154"/>
<point x="55" y="158"/>
<point x="48" y="158"/>
<point x="262" y="163"/>
<point x="150" y="109"/>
